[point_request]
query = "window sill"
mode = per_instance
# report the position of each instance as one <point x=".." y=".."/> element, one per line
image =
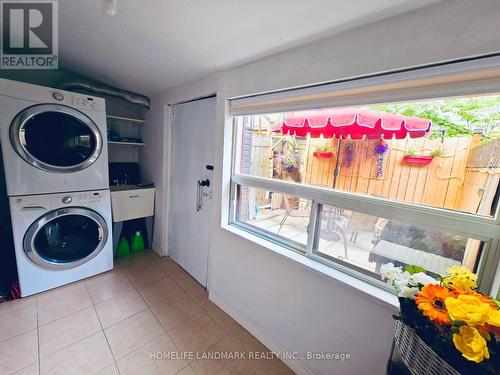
<point x="381" y="296"/>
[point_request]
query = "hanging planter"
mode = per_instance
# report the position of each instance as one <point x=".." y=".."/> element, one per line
<point x="348" y="154"/>
<point x="381" y="149"/>
<point x="417" y="160"/>
<point x="323" y="154"/>
<point x="289" y="162"/>
<point x="323" y="151"/>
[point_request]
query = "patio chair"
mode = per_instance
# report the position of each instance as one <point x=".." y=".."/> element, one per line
<point x="295" y="209"/>
<point x="360" y="222"/>
<point x="336" y="225"/>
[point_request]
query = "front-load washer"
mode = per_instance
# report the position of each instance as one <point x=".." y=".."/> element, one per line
<point x="52" y="140"/>
<point x="61" y="238"/>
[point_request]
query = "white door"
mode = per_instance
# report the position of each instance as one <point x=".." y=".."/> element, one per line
<point x="191" y="201"/>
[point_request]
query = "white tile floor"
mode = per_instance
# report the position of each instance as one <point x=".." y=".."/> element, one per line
<point x="111" y="323"/>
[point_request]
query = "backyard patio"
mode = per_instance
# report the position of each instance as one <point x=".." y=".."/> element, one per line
<point x="331" y="243"/>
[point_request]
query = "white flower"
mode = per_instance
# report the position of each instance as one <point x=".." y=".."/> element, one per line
<point x="390" y="272"/>
<point x="404" y="284"/>
<point x="408" y="292"/>
<point x="385" y="268"/>
<point x="421" y="278"/>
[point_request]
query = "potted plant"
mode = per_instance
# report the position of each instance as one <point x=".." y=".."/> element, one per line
<point x="436" y="153"/>
<point x="348" y="154"/>
<point x="445" y="326"/>
<point x="289" y="162"/>
<point x="323" y="151"/>
<point x="380" y="151"/>
<point x="412" y="158"/>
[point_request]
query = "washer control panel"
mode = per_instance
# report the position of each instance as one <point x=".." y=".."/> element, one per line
<point x="67" y="199"/>
<point x="85" y="198"/>
<point x="46" y="202"/>
<point x="92" y="197"/>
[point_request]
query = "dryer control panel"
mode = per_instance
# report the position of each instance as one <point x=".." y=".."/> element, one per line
<point x="40" y="94"/>
<point x="75" y="100"/>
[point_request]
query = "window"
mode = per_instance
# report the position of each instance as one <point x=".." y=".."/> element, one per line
<point x="357" y="186"/>
<point x="366" y="242"/>
<point x="279" y="214"/>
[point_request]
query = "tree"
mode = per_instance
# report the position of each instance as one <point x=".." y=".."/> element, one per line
<point x="453" y="117"/>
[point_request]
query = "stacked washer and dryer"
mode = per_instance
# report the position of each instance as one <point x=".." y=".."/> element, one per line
<point x="54" y="149"/>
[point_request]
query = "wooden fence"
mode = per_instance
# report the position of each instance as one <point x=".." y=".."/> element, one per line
<point x="481" y="180"/>
<point x="463" y="177"/>
<point x="437" y="184"/>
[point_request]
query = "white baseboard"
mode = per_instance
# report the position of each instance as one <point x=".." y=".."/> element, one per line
<point x="259" y="333"/>
<point x="158" y="250"/>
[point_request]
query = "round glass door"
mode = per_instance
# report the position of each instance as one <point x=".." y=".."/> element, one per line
<point x="66" y="238"/>
<point x="56" y="138"/>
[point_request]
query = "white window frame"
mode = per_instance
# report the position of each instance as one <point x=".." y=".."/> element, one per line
<point x="467" y="77"/>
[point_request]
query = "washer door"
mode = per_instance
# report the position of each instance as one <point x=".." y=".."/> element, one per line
<point x="56" y="138"/>
<point x="65" y="238"/>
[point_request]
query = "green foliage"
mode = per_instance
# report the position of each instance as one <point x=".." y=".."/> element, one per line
<point x="436" y="153"/>
<point x="325" y="147"/>
<point x="412" y="269"/>
<point x="455" y="117"/>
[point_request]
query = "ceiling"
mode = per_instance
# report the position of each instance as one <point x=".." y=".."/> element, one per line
<point x="151" y="45"/>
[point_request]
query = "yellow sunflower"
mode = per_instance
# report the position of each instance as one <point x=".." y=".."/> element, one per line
<point x="430" y="301"/>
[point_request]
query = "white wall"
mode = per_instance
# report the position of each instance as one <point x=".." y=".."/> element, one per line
<point x="298" y="308"/>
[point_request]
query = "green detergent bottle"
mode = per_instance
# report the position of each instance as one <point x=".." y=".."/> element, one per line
<point x="137" y="242"/>
<point x="123" y="248"/>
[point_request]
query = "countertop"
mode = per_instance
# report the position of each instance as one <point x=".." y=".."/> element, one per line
<point x="129" y="187"/>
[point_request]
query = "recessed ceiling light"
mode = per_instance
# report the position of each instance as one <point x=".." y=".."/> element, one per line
<point x="109" y="7"/>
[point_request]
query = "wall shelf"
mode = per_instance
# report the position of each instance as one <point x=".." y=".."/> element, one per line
<point x="126" y="143"/>
<point x="129" y="119"/>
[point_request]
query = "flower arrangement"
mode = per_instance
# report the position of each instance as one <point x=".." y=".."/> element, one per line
<point x="449" y="314"/>
<point x="289" y="162"/>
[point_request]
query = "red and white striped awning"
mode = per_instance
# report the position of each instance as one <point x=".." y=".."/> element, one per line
<point x="354" y="123"/>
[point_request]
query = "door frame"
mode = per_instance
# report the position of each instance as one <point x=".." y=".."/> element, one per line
<point x="167" y="176"/>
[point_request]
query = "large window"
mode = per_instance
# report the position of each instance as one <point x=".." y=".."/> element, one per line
<point x="407" y="182"/>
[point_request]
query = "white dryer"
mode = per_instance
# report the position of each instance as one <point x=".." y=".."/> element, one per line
<point x="52" y="140"/>
<point x="61" y="238"/>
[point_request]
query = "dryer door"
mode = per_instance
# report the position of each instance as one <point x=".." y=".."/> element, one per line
<point x="65" y="238"/>
<point x="56" y="138"/>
